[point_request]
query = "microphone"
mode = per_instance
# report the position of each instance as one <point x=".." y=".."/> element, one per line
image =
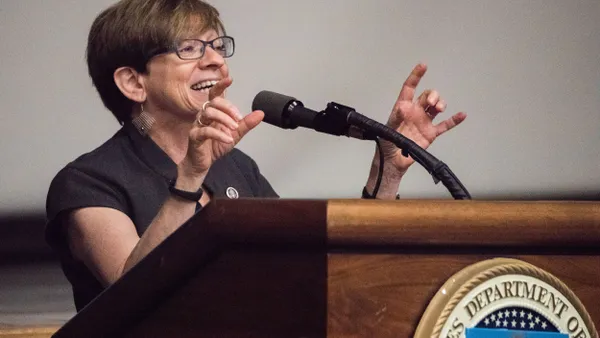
<point x="288" y="113"/>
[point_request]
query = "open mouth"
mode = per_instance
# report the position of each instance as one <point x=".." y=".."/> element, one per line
<point x="204" y="86"/>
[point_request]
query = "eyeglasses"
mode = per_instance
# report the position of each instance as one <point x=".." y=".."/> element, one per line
<point x="193" y="49"/>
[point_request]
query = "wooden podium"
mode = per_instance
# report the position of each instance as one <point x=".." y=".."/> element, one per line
<point x="334" y="268"/>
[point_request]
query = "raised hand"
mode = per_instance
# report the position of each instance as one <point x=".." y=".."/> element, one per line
<point x="414" y="118"/>
<point x="218" y="127"/>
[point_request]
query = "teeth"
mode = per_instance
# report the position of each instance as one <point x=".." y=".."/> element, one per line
<point x="204" y="85"/>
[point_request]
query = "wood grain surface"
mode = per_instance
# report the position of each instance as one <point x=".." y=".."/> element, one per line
<point x="28" y="332"/>
<point x="339" y="268"/>
<point x="464" y="223"/>
<point x="385" y="294"/>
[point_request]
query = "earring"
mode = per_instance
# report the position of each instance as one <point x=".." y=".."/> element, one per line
<point x="143" y="122"/>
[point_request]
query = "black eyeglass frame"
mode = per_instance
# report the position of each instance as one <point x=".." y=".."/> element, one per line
<point x="175" y="48"/>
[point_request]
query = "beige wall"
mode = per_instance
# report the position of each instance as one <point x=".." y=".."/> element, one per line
<point x="527" y="73"/>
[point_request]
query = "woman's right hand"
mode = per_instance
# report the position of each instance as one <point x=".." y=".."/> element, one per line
<point x="216" y="130"/>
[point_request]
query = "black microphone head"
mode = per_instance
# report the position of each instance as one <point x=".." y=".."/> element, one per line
<point x="274" y="105"/>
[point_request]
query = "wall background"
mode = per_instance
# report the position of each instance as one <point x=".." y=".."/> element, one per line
<point x="526" y="72"/>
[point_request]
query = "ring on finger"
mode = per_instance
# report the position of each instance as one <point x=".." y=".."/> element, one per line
<point x="427" y="110"/>
<point x="199" y="118"/>
<point x="205" y="105"/>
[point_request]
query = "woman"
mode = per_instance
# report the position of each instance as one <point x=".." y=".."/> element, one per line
<point x="159" y="67"/>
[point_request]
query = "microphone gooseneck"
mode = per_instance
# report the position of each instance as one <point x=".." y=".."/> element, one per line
<point x="288" y="113"/>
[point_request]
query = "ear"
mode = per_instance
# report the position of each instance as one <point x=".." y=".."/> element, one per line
<point x="131" y="84"/>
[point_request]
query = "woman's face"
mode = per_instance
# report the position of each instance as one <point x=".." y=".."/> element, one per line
<point x="180" y="87"/>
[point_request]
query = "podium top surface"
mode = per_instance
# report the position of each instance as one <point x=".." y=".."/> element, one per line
<point x="406" y="222"/>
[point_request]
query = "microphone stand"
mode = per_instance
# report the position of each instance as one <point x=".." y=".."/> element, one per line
<point x="331" y="116"/>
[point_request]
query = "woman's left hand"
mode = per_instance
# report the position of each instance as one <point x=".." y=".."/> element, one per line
<point x="413" y="119"/>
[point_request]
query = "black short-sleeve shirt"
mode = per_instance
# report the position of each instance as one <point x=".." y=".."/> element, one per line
<point x="131" y="173"/>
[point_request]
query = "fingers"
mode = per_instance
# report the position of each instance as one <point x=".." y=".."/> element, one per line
<point x="432" y="103"/>
<point x="407" y="93"/>
<point x="217" y="121"/>
<point x="202" y="134"/>
<point x="222" y="118"/>
<point x="213" y="116"/>
<point x="218" y="90"/>
<point x="227" y="107"/>
<point x="220" y="111"/>
<point x="249" y="122"/>
<point x="440" y="106"/>
<point x="428" y="98"/>
<point x="450" y="123"/>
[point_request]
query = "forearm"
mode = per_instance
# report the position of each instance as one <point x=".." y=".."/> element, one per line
<point x="390" y="180"/>
<point x="174" y="212"/>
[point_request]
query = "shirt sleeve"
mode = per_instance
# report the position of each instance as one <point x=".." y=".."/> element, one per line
<point x="73" y="189"/>
<point x="264" y="187"/>
<point x="260" y="185"/>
